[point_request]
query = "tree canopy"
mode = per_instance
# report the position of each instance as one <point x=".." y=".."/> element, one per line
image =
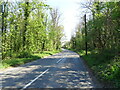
<point x="103" y="29"/>
<point x="29" y="27"/>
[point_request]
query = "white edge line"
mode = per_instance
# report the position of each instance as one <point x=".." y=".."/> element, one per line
<point x="34" y="80"/>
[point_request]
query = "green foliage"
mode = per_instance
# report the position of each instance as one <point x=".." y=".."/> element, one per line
<point x="103" y="30"/>
<point x="103" y="41"/>
<point x="13" y="62"/>
<point x="106" y="65"/>
<point x="27" y="29"/>
<point x="24" y="55"/>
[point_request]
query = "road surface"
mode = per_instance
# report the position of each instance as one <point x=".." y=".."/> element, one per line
<point x="63" y="70"/>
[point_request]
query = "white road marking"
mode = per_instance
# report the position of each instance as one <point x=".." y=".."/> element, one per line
<point x="62" y="58"/>
<point x="59" y="60"/>
<point x="27" y="85"/>
<point x="34" y="80"/>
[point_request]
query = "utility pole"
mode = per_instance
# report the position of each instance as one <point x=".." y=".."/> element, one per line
<point x="2" y="28"/>
<point x="2" y="10"/>
<point x="85" y="34"/>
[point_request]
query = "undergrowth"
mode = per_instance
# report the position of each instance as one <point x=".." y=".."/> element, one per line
<point x="105" y="64"/>
<point x="23" y="58"/>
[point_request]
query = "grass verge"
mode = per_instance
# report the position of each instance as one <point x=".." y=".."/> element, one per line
<point x="13" y="62"/>
<point x="105" y="65"/>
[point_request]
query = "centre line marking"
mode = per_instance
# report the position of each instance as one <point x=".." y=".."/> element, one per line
<point x="34" y="80"/>
<point x="59" y="60"/>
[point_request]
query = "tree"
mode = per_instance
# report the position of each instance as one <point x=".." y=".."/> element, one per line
<point x="103" y="28"/>
<point x="56" y="29"/>
<point x="27" y="29"/>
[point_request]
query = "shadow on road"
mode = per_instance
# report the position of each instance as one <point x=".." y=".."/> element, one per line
<point x="68" y="73"/>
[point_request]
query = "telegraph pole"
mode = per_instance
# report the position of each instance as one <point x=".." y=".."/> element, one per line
<point x="2" y="28"/>
<point x="2" y="10"/>
<point x="85" y="34"/>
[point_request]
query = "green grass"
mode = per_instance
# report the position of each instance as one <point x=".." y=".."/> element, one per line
<point x="13" y="62"/>
<point x="106" y="65"/>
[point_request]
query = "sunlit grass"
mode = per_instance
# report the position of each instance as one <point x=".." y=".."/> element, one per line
<point x="1" y="66"/>
<point x="13" y="62"/>
<point x="106" y="65"/>
<point x="82" y="52"/>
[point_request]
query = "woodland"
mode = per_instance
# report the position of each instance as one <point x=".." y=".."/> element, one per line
<point x="32" y="29"/>
<point x="29" y="30"/>
<point x="97" y="40"/>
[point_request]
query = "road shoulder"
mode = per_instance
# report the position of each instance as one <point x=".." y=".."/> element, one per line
<point x="92" y="74"/>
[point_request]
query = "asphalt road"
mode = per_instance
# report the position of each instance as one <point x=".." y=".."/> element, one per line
<point x="63" y="70"/>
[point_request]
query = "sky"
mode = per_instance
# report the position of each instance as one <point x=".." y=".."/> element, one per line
<point x="70" y="10"/>
<point x="71" y="13"/>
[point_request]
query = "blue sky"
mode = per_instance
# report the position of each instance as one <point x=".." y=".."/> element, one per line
<point x="70" y="10"/>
